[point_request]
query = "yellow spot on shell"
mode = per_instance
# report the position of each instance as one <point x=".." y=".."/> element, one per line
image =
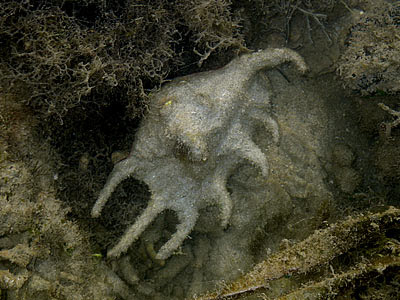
<point x="168" y="103"/>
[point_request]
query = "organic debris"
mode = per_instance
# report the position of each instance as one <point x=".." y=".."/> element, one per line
<point x="365" y="240"/>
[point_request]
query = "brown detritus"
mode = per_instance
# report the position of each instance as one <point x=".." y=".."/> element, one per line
<point x="363" y="273"/>
<point x="322" y="249"/>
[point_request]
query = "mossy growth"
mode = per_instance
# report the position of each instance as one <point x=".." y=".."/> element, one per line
<point x="38" y="245"/>
<point x="57" y="55"/>
<point x="43" y="254"/>
<point x="371" y="62"/>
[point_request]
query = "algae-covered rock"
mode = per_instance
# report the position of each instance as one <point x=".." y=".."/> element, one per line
<point x="43" y="255"/>
<point x="324" y="266"/>
<point x="370" y="63"/>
